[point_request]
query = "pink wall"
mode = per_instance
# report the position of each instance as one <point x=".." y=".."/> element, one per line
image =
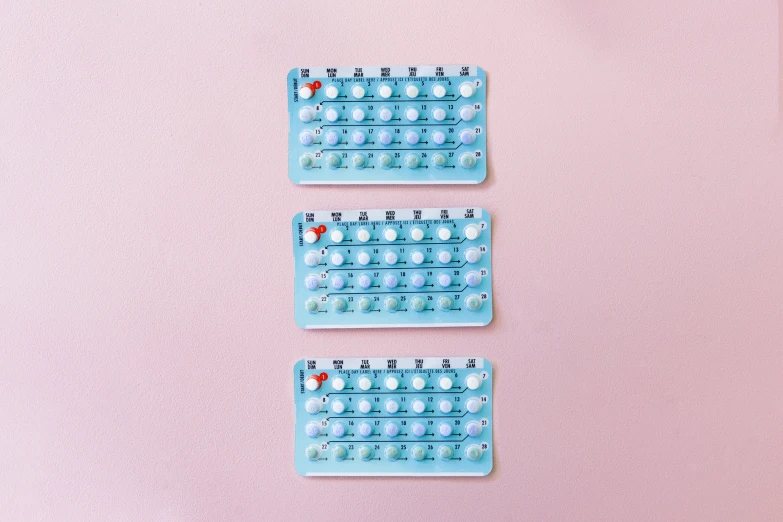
<point x="145" y="278"/>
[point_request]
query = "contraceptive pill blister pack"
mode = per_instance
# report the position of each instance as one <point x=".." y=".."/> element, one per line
<point x="391" y="125"/>
<point x="393" y="416"/>
<point x="393" y="268"/>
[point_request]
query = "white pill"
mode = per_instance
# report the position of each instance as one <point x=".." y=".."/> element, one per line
<point x="417" y="257"/>
<point x="418" y="383"/>
<point x="473" y="382"/>
<point x="417" y="234"/>
<point x="467" y="137"/>
<point x="332" y="92"/>
<point x="473" y="405"/>
<point x="357" y="114"/>
<point x="390" y="234"/>
<point x="332" y="115"/>
<point x="411" y="114"/>
<point x="418" y="406"/>
<point x="306" y="114"/>
<point x="337" y="235"/>
<point x="358" y="91"/>
<point x="338" y="383"/>
<point x="466" y="89"/>
<point x="306" y="92"/>
<point x="467" y="112"/>
<point x="392" y="382"/>
<point x="365" y="383"/>
<point x="365" y="406"/>
<point x="439" y="91"/>
<point x="445" y="429"/>
<point x="312" y="258"/>
<point x="338" y="407"/>
<point x="411" y="91"/>
<point x="385" y="91"/>
<point x="385" y="114"/>
<point x="444" y="233"/>
<point x="472" y="232"/>
<point x="439" y="137"/>
<point x="363" y="235"/>
<point x="445" y="383"/>
<point x="391" y="406"/>
<point x="363" y="258"/>
<point x="472" y="255"/>
<point x="444" y="280"/>
<point x="337" y="259"/>
<point x="306" y="138"/>
<point x="439" y="114"/>
<point x="313" y="406"/>
<point x="445" y="406"/>
<point x="311" y="236"/>
<point x="312" y="384"/>
<point x="359" y="137"/>
<point x="390" y="257"/>
<point x="444" y="256"/>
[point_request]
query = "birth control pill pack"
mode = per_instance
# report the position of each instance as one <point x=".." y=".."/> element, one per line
<point x="393" y="268"/>
<point x="393" y="416"/>
<point x="393" y="125"/>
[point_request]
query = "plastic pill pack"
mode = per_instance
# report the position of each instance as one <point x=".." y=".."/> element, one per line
<point x="393" y="268"/>
<point x="392" y="125"/>
<point x="386" y="416"/>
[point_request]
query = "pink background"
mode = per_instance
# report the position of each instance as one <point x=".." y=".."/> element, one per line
<point x="146" y="328"/>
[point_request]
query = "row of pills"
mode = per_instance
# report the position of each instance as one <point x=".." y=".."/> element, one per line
<point x="363" y="234"/>
<point x="393" y="382"/>
<point x="384" y="90"/>
<point x="392" y="452"/>
<point x="473" y="405"/>
<point x="418" y="382"/>
<point x="385" y="137"/>
<point x="391" y="280"/>
<point x="444" y="303"/>
<point x="466" y="160"/>
<point x="313" y="258"/>
<point x="393" y="429"/>
<point x="412" y="114"/>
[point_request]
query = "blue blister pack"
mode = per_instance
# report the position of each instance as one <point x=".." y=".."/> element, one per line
<point x="393" y="268"/>
<point x="393" y="417"/>
<point x="391" y="125"/>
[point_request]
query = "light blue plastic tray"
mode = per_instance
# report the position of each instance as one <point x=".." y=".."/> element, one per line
<point x="392" y="125"/>
<point x="441" y="273"/>
<point x="412" y="425"/>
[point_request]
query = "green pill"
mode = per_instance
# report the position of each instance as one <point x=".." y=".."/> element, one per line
<point x="467" y="160"/>
<point x="473" y="302"/>
<point x="411" y="161"/>
<point x="445" y="452"/>
<point x="311" y="305"/>
<point x="385" y="160"/>
<point x="473" y="452"/>
<point x="444" y="303"/>
<point x="418" y="453"/>
<point x="339" y="452"/>
<point x="358" y="160"/>
<point x="392" y="452"/>
<point x="312" y="452"/>
<point x="339" y="304"/>
<point x="306" y="161"/>
<point x="417" y="303"/>
<point x="333" y="160"/>
<point x="365" y="452"/>
<point x="365" y="305"/>
<point x="391" y="304"/>
<point x="438" y="159"/>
